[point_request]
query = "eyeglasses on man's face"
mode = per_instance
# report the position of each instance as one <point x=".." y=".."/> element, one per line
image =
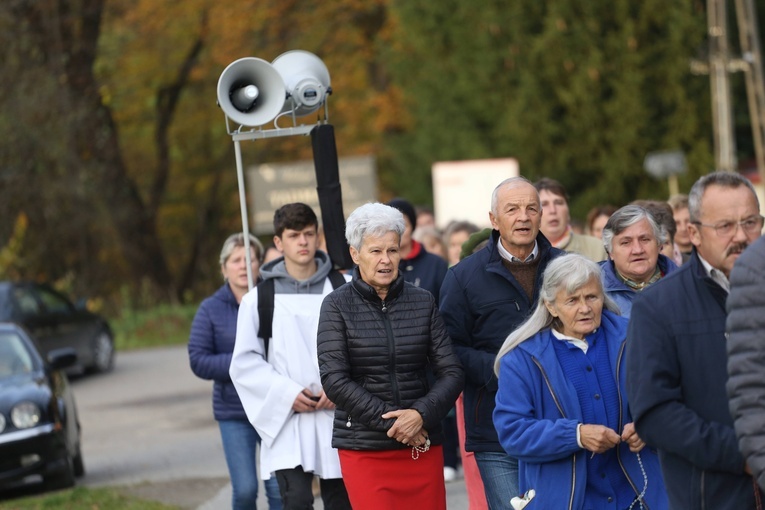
<point x="751" y="225"/>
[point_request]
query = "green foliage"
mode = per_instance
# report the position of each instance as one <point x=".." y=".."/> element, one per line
<point x="82" y="497"/>
<point x="153" y="327"/>
<point x="451" y="60"/>
<point x="577" y="91"/>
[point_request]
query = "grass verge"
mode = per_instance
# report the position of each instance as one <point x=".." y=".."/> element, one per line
<point x="84" y="498"/>
<point x="160" y="326"/>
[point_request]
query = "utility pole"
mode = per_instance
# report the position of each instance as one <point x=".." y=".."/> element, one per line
<point x="722" y="112"/>
<point x="718" y="67"/>
<point x="753" y="72"/>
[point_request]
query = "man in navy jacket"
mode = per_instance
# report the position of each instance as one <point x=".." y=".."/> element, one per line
<point x="676" y="354"/>
<point x="485" y="297"/>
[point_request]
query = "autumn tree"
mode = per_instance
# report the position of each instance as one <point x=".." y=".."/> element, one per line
<point x="68" y="134"/>
<point x="119" y="156"/>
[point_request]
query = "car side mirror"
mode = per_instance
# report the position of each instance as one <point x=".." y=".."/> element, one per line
<point x="62" y="358"/>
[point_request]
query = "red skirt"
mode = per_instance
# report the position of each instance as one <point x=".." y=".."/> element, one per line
<point x="390" y="479"/>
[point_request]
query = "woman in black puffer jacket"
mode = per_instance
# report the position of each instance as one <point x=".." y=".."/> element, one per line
<point x="377" y="335"/>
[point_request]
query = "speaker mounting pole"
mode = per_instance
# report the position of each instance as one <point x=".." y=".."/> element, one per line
<point x="243" y="208"/>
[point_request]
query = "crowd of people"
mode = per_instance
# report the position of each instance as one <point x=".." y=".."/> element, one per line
<point x="549" y="366"/>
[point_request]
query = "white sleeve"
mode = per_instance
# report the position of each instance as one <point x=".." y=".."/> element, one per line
<point x="267" y="395"/>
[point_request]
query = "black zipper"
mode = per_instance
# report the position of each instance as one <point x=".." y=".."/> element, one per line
<point x="391" y="354"/>
<point x="703" y="497"/>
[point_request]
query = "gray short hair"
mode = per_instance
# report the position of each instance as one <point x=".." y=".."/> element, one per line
<point x="626" y="217"/>
<point x="459" y="226"/>
<point x="725" y="179"/>
<point x="567" y="272"/>
<point x="507" y="182"/>
<point x="237" y="241"/>
<point x="373" y="220"/>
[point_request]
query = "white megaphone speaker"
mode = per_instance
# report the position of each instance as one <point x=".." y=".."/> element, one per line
<point x="307" y="81"/>
<point x="251" y="91"/>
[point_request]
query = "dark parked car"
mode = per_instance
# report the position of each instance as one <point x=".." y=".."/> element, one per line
<point x="55" y="322"/>
<point x="39" y="429"/>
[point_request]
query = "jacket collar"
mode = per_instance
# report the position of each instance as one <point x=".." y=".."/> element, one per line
<point x="370" y="294"/>
<point x="494" y="257"/>
<point x="495" y="265"/>
<point x="700" y="273"/>
<point x="225" y="294"/>
<point x="613" y="325"/>
<point x="611" y="282"/>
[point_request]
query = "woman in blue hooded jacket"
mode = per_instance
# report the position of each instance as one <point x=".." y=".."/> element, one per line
<point x="561" y="407"/>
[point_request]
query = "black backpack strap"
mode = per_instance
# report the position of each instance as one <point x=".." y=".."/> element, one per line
<point x="266" y="305"/>
<point x="266" y="312"/>
<point x="336" y="278"/>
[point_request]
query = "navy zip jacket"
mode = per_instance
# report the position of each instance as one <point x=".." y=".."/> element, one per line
<point x="211" y="344"/>
<point x="676" y="375"/>
<point x="425" y="270"/>
<point x="482" y="303"/>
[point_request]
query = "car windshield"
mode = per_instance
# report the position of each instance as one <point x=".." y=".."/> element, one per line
<point x="14" y="356"/>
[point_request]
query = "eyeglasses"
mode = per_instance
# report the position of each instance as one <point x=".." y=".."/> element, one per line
<point x="752" y="225"/>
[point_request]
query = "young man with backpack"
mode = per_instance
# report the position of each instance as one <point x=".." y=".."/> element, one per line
<point x="275" y="369"/>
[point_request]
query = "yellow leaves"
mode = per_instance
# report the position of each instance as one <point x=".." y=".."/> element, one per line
<point x="391" y="115"/>
<point x="11" y="258"/>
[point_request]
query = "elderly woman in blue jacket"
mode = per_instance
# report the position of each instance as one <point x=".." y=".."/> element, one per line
<point x="633" y="239"/>
<point x="561" y="408"/>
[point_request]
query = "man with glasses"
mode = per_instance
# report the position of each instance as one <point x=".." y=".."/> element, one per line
<point x="676" y="354"/>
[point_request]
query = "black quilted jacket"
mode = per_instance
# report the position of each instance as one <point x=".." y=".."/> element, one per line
<point x="372" y="358"/>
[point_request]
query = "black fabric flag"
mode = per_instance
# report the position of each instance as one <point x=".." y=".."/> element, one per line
<point x="330" y="194"/>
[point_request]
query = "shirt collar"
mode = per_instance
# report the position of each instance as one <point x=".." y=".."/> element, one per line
<point x="512" y="258"/>
<point x="576" y="342"/>
<point x="715" y="274"/>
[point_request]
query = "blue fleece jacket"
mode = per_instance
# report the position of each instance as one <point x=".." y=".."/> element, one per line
<point x="536" y="416"/>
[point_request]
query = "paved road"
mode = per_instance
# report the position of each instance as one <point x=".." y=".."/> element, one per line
<point x="150" y="422"/>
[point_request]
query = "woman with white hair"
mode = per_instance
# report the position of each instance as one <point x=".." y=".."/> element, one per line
<point x="376" y="338"/>
<point x="561" y="405"/>
<point x="633" y="240"/>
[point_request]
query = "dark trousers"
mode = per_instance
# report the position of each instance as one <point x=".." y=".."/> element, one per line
<point x="451" y="441"/>
<point x="295" y="486"/>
